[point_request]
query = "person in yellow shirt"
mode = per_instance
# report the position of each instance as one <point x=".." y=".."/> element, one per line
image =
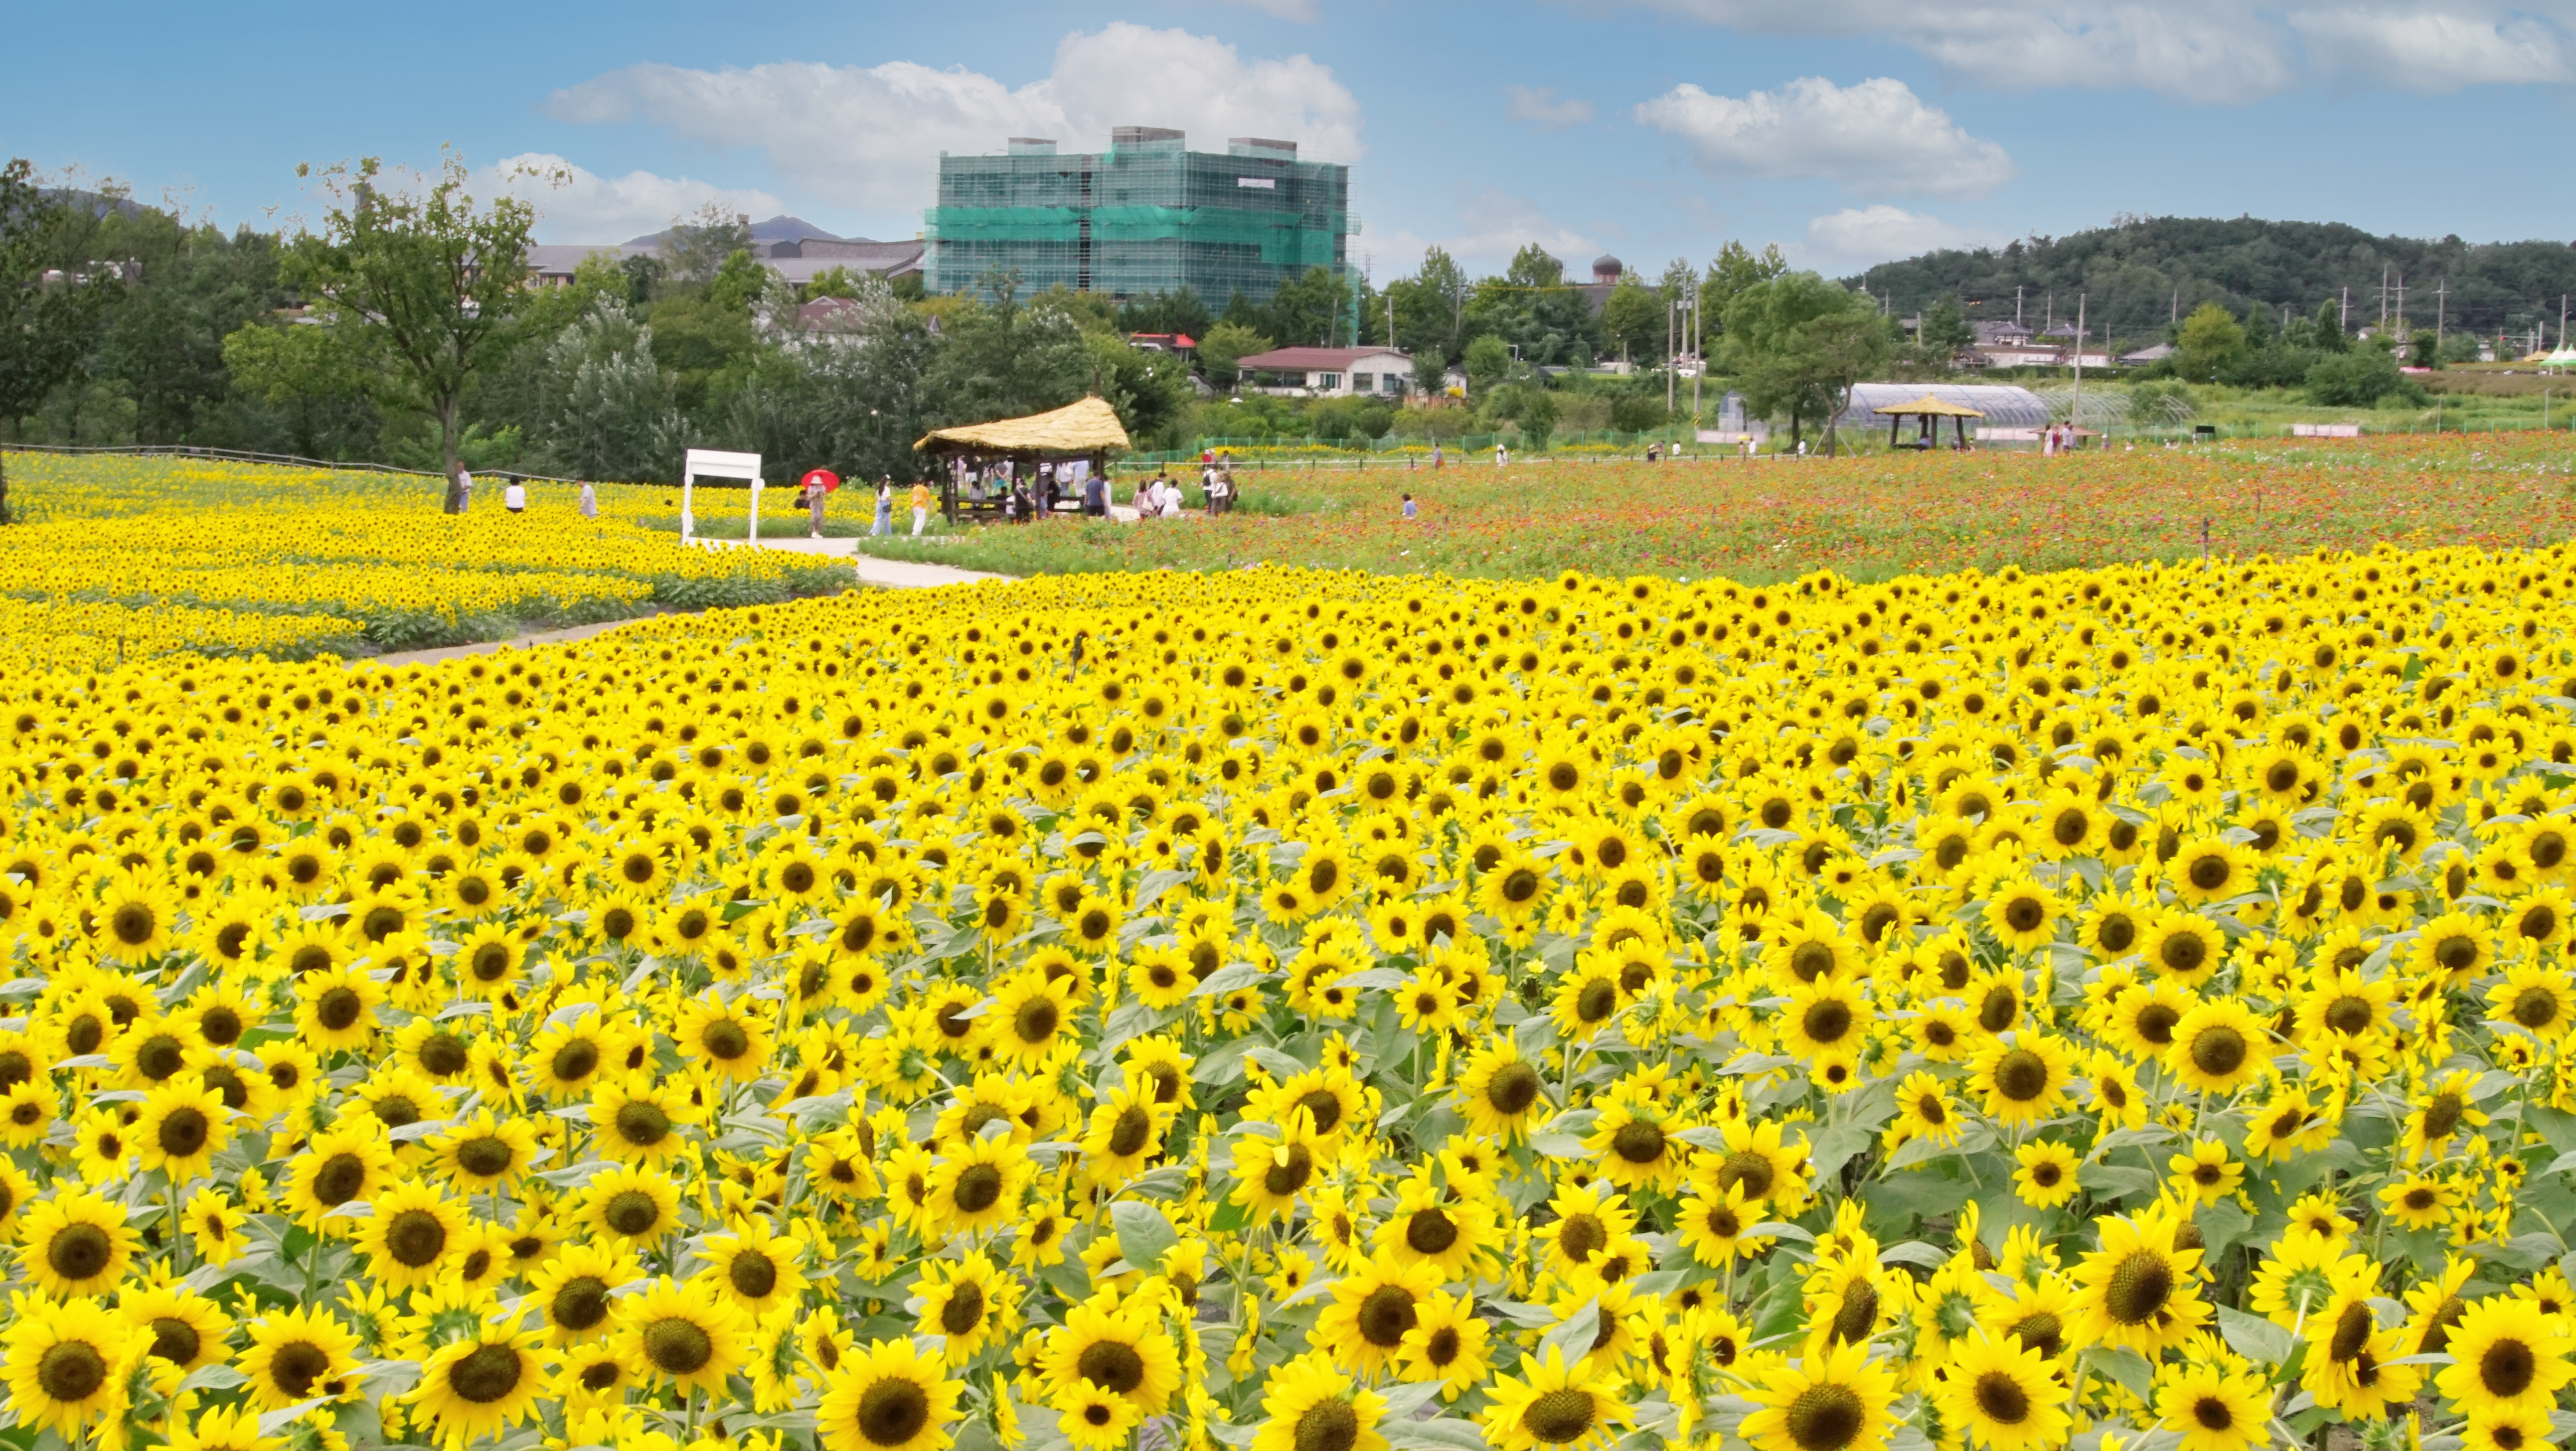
<point x="920" y="507"/>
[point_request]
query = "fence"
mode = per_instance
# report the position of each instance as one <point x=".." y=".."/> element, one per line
<point x="234" y="455"/>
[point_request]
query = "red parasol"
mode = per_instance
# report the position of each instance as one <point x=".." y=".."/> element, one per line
<point x="824" y="479"/>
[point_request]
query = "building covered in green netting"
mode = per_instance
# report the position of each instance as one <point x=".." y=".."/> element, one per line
<point x="1148" y="215"/>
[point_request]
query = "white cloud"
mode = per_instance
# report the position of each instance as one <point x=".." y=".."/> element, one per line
<point x="1491" y="227"/>
<point x="1863" y="235"/>
<point x="591" y="208"/>
<point x="1539" y="106"/>
<point x="2218" y="51"/>
<point x="1875" y="136"/>
<point x="2431" y="52"/>
<point x="870" y="137"/>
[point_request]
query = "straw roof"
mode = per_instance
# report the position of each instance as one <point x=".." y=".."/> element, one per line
<point x="1087" y="426"/>
<point x="1931" y="406"/>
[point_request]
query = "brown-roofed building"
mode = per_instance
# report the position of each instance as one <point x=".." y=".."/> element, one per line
<point x="1329" y="372"/>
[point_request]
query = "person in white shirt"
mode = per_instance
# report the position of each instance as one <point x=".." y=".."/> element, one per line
<point x="464" y="489"/>
<point x="589" y="500"/>
<point x="514" y="497"/>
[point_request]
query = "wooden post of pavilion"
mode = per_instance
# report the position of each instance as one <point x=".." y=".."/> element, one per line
<point x="1931" y="410"/>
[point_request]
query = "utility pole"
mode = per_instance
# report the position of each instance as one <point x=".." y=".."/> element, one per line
<point x="2383" y="299"/>
<point x="1697" y="365"/>
<point x="2017" y="304"/>
<point x="2401" y="303"/>
<point x="2075" y="410"/>
<point x="2441" y="301"/>
<point x="2343" y="319"/>
<point x="2177" y="304"/>
<point x="1672" y="326"/>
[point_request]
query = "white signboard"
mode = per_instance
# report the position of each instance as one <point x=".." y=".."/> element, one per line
<point x="716" y="464"/>
<point x="2325" y="430"/>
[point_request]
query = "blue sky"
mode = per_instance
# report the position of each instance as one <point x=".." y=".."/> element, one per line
<point x="1848" y="131"/>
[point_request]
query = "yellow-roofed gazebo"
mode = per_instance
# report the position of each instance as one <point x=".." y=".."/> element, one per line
<point x="1086" y="429"/>
<point x="1931" y="410"/>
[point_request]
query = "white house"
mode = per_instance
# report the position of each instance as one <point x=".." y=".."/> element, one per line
<point x="1329" y="372"/>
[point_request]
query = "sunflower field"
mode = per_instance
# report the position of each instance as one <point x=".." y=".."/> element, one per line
<point x="2122" y="1009"/>
<point x="134" y="558"/>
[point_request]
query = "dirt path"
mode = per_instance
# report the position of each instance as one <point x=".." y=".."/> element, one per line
<point x="886" y="573"/>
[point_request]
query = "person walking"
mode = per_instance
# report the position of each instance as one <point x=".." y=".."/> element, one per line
<point x="920" y="506"/>
<point x="589" y="500"/>
<point x="814" y="495"/>
<point x="884" y="522"/>
<point x="464" y="489"/>
<point x="1435" y="458"/>
<point x="1502" y="455"/>
<point x="514" y="496"/>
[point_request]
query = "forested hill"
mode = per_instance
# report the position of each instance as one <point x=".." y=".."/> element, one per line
<point x="2132" y="269"/>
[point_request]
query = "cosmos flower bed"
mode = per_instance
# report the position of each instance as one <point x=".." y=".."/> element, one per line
<point x="1869" y="518"/>
<point x="1313" y="1012"/>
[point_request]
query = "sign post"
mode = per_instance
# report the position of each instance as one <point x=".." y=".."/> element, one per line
<point x="716" y="464"/>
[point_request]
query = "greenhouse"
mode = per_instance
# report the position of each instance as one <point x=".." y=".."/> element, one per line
<point x="1999" y="405"/>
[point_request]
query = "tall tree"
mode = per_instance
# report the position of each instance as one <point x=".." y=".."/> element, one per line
<point x="423" y="281"/>
<point x="1005" y="360"/>
<point x="47" y="322"/>
<point x="1797" y="343"/>
<point x="1735" y="269"/>
<point x="1430" y="310"/>
<point x="2210" y="345"/>
<point x="1632" y="320"/>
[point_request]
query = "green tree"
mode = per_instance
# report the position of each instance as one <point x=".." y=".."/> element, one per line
<point x="1306" y="309"/>
<point x="739" y="281"/>
<point x="1223" y="346"/>
<point x="1734" y="270"/>
<point x="1003" y="360"/>
<point x="606" y="409"/>
<point x="1149" y="388"/>
<point x="423" y="283"/>
<point x="2326" y="331"/>
<point x="1797" y="343"/>
<point x="2361" y="378"/>
<point x="303" y="369"/>
<point x="2423" y="350"/>
<point x="1632" y="320"/>
<point x="2210" y="345"/>
<point x="1179" y="311"/>
<point x="695" y="248"/>
<point x="169" y="360"/>
<point x="46" y="327"/>
<point x="1538" y="414"/>
<point x="1430" y="308"/>
<point x="1945" y="331"/>
<point x="1488" y="363"/>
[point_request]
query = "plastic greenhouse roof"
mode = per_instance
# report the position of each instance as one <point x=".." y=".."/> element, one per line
<point x="2003" y="405"/>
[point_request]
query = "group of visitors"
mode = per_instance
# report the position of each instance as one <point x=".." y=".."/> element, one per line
<point x="884" y="521"/>
<point x="514" y="494"/>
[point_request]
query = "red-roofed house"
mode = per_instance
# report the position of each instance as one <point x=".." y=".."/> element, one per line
<point x="1329" y="372"/>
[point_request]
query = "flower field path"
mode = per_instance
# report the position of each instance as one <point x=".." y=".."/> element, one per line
<point x="885" y="573"/>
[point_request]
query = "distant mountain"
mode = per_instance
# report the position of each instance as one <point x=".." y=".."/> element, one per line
<point x="776" y="229"/>
<point x="97" y="204"/>
<point x="2141" y="272"/>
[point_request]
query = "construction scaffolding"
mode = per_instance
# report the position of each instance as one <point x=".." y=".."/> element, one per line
<point x="1146" y="216"/>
